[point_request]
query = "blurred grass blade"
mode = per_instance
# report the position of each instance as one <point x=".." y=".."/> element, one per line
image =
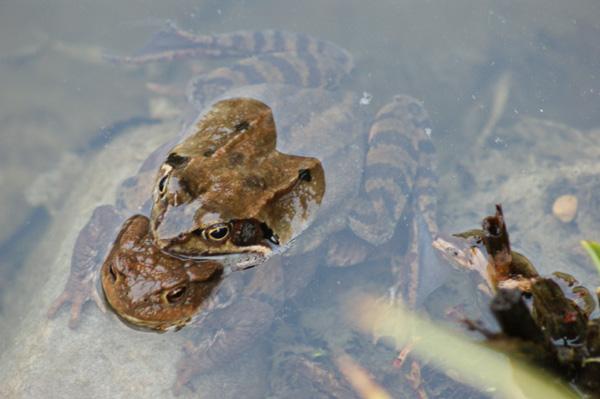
<point x="472" y="363"/>
<point x="360" y="379"/>
<point x="593" y="250"/>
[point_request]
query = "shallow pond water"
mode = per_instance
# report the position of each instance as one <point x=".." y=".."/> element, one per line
<point x="513" y="93"/>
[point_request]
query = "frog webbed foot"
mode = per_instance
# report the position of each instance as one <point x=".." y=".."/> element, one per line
<point x="238" y="328"/>
<point x="76" y="294"/>
<point x="88" y="254"/>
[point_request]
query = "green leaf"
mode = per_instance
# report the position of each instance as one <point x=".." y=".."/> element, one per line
<point x="593" y="249"/>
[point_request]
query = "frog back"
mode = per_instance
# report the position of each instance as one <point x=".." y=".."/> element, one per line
<point x="329" y="126"/>
<point x="318" y="123"/>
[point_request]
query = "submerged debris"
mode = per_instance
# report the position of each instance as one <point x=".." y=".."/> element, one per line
<point x="546" y="320"/>
<point x="565" y="208"/>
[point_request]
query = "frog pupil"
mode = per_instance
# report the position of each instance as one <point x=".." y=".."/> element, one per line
<point x="162" y="184"/>
<point x="176" y="294"/>
<point x="219" y="233"/>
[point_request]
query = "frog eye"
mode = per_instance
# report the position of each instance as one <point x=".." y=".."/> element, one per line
<point x="114" y="274"/>
<point x="176" y="294"/>
<point x="162" y="184"/>
<point x="216" y="232"/>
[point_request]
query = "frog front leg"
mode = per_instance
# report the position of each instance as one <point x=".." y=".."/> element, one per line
<point x="226" y="332"/>
<point x="90" y="248"/>
<point x="239" y="328"/>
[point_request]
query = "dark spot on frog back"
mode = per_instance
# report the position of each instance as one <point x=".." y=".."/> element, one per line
<point x="192" y="189"/>
<point x="242" y="126"/>
<point x="304" y="174"/>
<point x="236" y="158"/>
<point x="255" y="182"/>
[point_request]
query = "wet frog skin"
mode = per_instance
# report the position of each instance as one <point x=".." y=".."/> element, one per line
<point x="215" y="194"/>
<point x="230" y="156"/>
<point x="150" y="289"/>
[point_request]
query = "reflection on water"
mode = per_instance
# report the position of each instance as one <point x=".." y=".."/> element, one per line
<point x="512" y="92"/>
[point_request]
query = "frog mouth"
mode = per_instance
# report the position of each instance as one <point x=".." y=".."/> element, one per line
<point x="247" y="242"/>
<point x="154" y="325"/>
<point x="245" y="258"/>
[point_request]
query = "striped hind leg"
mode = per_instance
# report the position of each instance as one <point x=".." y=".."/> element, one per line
<point x="399" y="145"/>
<point x="400" y="185"/>
<point x="174" y="43"/>
<point x="304" y="69"/>
<point x="397" y="140"/>
<point x="418" y="272"/>
<point x="268" y="56"/>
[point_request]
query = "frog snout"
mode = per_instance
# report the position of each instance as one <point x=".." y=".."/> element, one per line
<point x="172" y="224"/>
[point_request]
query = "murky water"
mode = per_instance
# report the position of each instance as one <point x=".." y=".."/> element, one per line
<point x="512" y="88"/>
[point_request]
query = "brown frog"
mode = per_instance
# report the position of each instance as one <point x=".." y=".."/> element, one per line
<point x="227" y="190"/>
<point x="150" y="289"/>
<point x="225" y="194"/>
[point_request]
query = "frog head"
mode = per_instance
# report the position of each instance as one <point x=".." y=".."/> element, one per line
<point x="150" y="289"/>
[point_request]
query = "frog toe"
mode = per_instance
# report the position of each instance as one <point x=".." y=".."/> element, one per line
<point x="58" y="304"/>
<point x="186" y="369"/>
<point x="77" y="304"/>
<point x="76" y="298"/>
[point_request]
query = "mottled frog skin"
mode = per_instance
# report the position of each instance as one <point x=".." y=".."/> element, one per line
<point x="151" y="289"/>
<point x="278" y="168"/>
<point x="227" y="190"/>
